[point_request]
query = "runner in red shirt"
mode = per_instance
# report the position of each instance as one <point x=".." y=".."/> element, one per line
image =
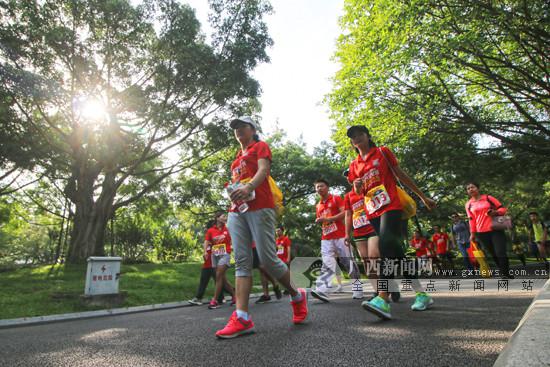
<point x="423" y="250"/>
<point x="283" y="245"/>
<point x="375" y="172"/>
<point x="252" y="218"/>
<point x="330" y="215"/>
<point x="440" y="240"/>
<point x="420" y="244"/>
<point x="217" y="239"/>
<point x="207" y="273"/>
<point x="480" y="210"/>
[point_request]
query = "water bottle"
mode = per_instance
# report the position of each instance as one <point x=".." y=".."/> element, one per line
<point x="241" y="206"/>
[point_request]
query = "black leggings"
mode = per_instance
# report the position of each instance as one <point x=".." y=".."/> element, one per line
<point x="389" y="227"/>
<point x="495" y="243"/>
<point x="206" y="274"/>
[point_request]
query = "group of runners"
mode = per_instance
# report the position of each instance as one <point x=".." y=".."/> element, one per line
<point x="371" y="217"/>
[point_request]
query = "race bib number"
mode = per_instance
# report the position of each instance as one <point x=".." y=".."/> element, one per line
<point x="280" y="250"/>
<point x="219" y="249"/>
<point x="328" y="228"/>
<point x="376" y="198"/>
<point x="359" y="220"/>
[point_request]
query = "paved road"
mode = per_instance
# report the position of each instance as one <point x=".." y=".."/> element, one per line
<point x="461" y="329"/>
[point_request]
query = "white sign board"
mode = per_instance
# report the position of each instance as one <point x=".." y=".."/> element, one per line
<point x="102" y="275"/>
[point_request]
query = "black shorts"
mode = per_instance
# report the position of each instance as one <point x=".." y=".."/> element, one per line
<point x="255" y="259"/>
<point x="365" y="237"/>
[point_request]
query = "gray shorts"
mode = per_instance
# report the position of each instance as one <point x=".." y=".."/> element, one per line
<point x="219" y="260"/>
<point x="255" y="226"/>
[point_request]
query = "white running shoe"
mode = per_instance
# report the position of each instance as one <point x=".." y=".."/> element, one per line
<point x="195" y="301"/>
<point x="357" y="295"/>
<point x="339" y="289"/>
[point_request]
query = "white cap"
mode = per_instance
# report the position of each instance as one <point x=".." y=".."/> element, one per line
<point x="244" y="119"/>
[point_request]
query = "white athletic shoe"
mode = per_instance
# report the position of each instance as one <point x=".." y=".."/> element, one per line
<point x="357" y="295"/>
<point x="339" y="289"/>
<point x="195" y="301"/>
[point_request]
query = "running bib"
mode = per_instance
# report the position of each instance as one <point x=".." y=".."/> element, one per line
<point x="219" y="249"/>
<point x="280" y="250"/>
<point x="328" y="228"/>
<point x="359" y="220"/>
<point x="376" y="198"/>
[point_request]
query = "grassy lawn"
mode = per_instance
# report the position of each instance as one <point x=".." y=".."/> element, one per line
<point x="35" y="291"/>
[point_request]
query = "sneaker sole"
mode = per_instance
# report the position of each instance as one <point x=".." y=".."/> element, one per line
<point x="381" y="314"/>
<point x="244" y="332"/>
<point x="319" y="297"/>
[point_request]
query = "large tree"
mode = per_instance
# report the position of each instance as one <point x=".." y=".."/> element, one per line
<point x="107" y="89"/>
<point x="452" y="67"/>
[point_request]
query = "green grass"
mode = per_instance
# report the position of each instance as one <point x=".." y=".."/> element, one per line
<point x="26" y="292"/>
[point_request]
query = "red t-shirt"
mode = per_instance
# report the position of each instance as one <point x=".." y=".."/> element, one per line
<point x="440" y="240"/>
<point x="477" y="212"/>
<point x="379" y="184"/>
<point x="421" y="246"/>
<point x="219" y="239"/>
<point x="283" y="248"/>
<point x="243" y="169"/>
<point x="329" y="208"/>
<point x="208" y="261"/>
<point x="356" y="204"/>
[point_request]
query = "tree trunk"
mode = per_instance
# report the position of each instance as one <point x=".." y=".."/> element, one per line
<point x="90" y="217"/>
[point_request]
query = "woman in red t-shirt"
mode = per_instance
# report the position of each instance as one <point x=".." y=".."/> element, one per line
<point x="208" y="272"/>
<point x="252" y="218"/>
<point x="217" y="239"/>
<point x="481" y="209"/>
<point x="283" y="245"/>
<point x="373" y="173"/>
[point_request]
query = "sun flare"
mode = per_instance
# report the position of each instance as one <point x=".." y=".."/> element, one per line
<point x="92" y="110"/>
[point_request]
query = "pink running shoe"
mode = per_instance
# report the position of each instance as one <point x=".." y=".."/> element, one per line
<point x="235" y="326"/>
<point x="299" y="309"/>
<point x="213" y="304"/>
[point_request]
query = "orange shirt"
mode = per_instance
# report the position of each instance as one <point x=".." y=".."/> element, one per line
<point x="356" y="203"/>
<point x="283" y="248"/>
<point x="243" y="169"/>
<point x="379" y="184"/>
<point x="329" y="208"/>
<point x="219" y="239"/>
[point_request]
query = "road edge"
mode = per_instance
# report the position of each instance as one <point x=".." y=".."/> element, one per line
<point x="529" y="344"/>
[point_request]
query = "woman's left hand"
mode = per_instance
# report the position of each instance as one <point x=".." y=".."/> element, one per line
<point x="429" y="203"/>
<point x="241" y="193"/>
